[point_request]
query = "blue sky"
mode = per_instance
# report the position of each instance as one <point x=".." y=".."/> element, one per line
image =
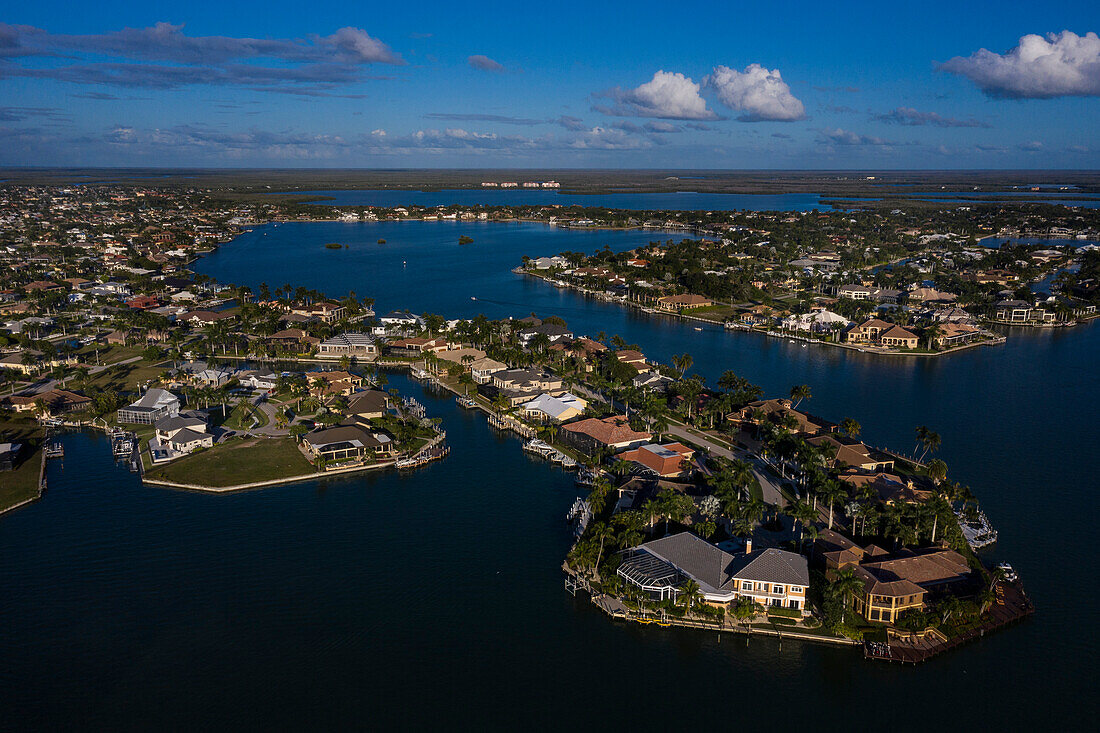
<point x="639" y="85"/>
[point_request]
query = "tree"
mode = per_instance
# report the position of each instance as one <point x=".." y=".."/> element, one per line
<point x="800" y="392"/>
<point x="682" y="362"/>
<point x="832" y="491"/>
<point x="690" y="595"/>
<point x="845" y="585"/>
<point x="931" y="443"/>
<point x="850" y="427"/>
<point x="600" y="532"/>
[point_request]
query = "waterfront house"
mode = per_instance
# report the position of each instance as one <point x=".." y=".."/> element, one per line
<point x="632" y="358"/>
<point x="1012" y="311"/>
<point x="682" y="302"/>
<point x="769" y="577"/>
<point x="482" y="370"/>
<point x="324" y="312"/>
<point x="901" y="582"/>
<point x="348" y="442"/>
<point x="369" y="404"/>
<point x="956" y="334"/>
<point x="10" y="454"/>
<point x="55" y="401"/>
<point x="293" y="338"/>
<point x="843" y="451"/>
<point x="180" y="435"/>
<point x="666" y="460"/>
<point x="417" y="345"/>
<point x="931" y="296"/>
<point x="352" y="344"/>
<point x="778" y="411"/>
<point x="651" y="381"/>
<point x="855" y="292"/>
<point x="546" y="408"/>
<point x="520" y="385"/>
<point x="322" y="384"/>
<point x="868" y="331"/>
<point x="898" y="338"/>
<point x="263" y="381"/>
<point x="553" y="331"/>
<point x="156" y="404"/>
<point x="610" y="433"/>
<point x="889" y="488"/>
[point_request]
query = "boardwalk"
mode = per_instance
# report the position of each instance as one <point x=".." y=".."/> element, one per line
<point x="1011" y="605"/>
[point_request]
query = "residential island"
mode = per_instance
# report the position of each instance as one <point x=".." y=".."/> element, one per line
<point x="706" y="505"/>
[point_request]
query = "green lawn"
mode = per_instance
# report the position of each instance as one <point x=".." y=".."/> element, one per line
<point x="717" y="313"/>
<point x="241" y="417"/>
<point x="22" y="483"/>
<point x="236" y="462"/>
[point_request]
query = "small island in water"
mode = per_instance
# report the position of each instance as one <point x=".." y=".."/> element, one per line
<point x="335" y="245"/>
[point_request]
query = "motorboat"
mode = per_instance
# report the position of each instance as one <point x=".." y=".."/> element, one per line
<point x="1007" y="572"/>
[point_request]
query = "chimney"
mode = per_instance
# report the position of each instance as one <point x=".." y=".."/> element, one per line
<point x="748" y="545"/>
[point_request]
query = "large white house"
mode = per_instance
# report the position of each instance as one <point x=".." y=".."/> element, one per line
<point x="156" y="404"/>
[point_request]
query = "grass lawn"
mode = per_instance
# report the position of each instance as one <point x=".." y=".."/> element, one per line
<point x="126" y="377"/>
<point x="241" y="417"/>
<point x="717" y="313"/>
<point x="22" y="483"/>
<point x="237" y="462"/>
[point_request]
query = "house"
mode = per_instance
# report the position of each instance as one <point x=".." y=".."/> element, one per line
<point x="520" y="385"/>
<point x="611" y="433"/>
<point x="868" y="331"/>
<point x="402" y="318"/>
<point x="898" y="338"/>
<point x="954" y="334"/>
<point x="324" y="312"/>
<point x="632" y="358"/>
<point x="895" y="584"/>
<point x="369" y="404"/>
<point x="553" y="331"/>
<point x="855" y="292"/>
<point x="418" y="345"/>
<point x="683" y="302"/>
<point x="332" y="383"/>
<point x="10" y="454"/>
<point x="546" y="408"/>
<point x="769" y="577"/>
<point x="260" y="381"/>
<point x="181" y="435"/>
<point x="359" y="345"/>
<point x="482" y="370"/>
<point x="547" y="263"/>
<point x="817" y="321"/>
<point x="348" y="442"/>
<point x="55" y="401"/>
<point x="156" y="404"/>
<point x="931" y="296"/>
<point x="1012" y="311"/>
<point x="293" y="338"/>
<point x="651" y="382"/>
<point x="664" y="460"/>
<point x="844" y="451"/>
<point x="890" y="488"/>
<point x="780" y="411"/>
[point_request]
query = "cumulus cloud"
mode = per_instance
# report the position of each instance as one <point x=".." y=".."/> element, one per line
<point x="837" y="136"/>
<point x="913" y="118"/>
<point x="759" y="93"/>
<point x="164" y="57"/>
<point x="484" y="63"/>
<point x="1060" y="65"/>
<point x="669" y="95"/>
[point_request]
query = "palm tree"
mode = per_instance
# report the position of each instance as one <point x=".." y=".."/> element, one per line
<point x="690" y="595"/>
<point x="802" y="513"/>
<point x="682" y="362"/>
<point x="937" y="470"/>
<point x="600" y="532"/>
<point x="832" y="491"/>
<point x="850" y="427"/>
<point x="846" y="585"/>
<point x="922" y="433"/>
<point x="800" y="392"/>
<point x="931" y="443"/>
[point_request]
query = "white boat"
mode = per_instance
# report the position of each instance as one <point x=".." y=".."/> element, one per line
<point x="472" y="298"/>
<point x="1007" y="572"/>
<point x="698" y="329"/>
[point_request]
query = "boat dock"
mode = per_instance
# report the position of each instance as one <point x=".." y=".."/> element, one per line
<point x="1010" y="605"/>
<point x="977" y="531"/>
<point x="550" y="453"/>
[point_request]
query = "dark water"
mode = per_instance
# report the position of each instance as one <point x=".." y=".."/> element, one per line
<point x="435" y="599"/>
<point x="677" y="201"/>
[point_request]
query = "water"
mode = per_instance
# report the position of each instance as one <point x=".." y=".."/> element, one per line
<point x="675" y="201"/>
<point x="996" y="242"/>
<point x="435" y="599"/>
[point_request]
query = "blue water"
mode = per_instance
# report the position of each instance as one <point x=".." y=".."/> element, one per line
<point x="435" y="600"/>
<point x="996" y="242"/>
<point x="679" y="201"/>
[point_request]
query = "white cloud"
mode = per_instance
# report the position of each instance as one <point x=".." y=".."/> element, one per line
<point x="602" y="138"/>
<point x="669" y="95"/>
<point x="838" y="136"/>
<point x="484" y="63"/>
<point x="759" y="93"/>
<point x="1060" y="65"/>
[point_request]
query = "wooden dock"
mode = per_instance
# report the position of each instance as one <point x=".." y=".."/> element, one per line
<point x="1010" y="605"/>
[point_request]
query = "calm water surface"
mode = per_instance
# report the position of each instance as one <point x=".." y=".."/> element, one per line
<point x="435" y="599"/>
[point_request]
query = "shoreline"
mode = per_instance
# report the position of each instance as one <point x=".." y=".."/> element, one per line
<point x="796" y="337"/>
